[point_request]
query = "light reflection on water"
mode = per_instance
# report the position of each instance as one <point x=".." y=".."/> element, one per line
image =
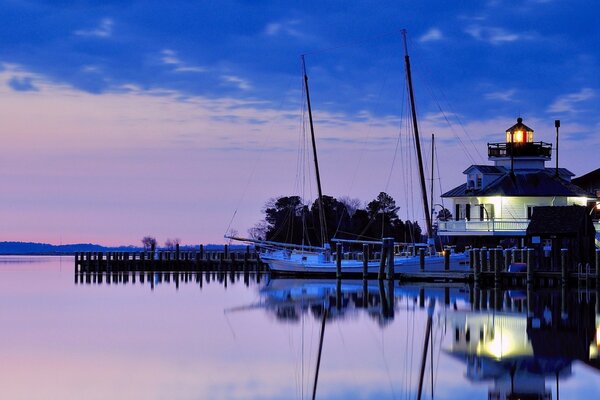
<point x="188" y="336"/>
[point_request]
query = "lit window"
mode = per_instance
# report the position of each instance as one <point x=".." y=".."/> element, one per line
<point x="518" y="136"/>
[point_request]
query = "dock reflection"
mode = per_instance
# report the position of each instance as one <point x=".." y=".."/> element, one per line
<point x="522" y="343"/>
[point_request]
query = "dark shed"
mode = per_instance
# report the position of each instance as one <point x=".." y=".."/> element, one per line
<point x="569" y="227"/>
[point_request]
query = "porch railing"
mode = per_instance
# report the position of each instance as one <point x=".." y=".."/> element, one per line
<point x="493" y="225"/>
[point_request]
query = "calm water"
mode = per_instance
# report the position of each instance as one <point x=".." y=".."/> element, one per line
<point x="68" y="337"/>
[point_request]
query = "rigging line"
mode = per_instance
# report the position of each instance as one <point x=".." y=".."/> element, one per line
<point x="367" y="136"/>
<point x="437" y="162"/>
<point x="425" y="68"/>
<point x="257" y="161"/>
<point x="437" y="363"/>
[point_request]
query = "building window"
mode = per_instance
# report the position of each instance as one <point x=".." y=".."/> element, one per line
<point x="479" y="181"/>
<point x="468" y="212"/>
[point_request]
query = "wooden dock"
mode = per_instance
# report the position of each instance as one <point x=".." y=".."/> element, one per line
<point x="486" y="268"/>
<point x="169" y="261"/>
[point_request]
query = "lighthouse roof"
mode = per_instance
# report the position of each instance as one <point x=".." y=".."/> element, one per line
<point x="539" y="183"/>
<point x="519" y="126"/>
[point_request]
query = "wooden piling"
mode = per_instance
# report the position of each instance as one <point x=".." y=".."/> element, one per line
<point x="497" y="267"/>
<point x="446" y="260"/>
<point x="381" y="273"/>
<point x="476" y="265"/>
<point x="365" y="261"/>
<point x="472" y="258"/>
<point x="422" y="259"/>
<point x="390" y="259"/>
<point x="507" y="259"/>
<point x="563" y="266"/>
<point x="338" y="260"/>
<point x="530" y="266"/>
<point x="484" y="259"/>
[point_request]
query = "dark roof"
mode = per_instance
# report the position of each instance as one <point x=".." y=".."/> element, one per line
<point x="487" y="169"/>
<point x="588" y="179"/>
<point x="561" y="171"/>
<point x="560" y="220"/>
<point x="535" y="183"/>
<point x="520" y="126"/>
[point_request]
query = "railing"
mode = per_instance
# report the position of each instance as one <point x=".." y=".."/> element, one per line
<point x="493" y="225"/>
<point x="535" y="149"/>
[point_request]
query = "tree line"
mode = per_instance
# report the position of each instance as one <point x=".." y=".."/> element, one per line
<point x="288" y="219"/>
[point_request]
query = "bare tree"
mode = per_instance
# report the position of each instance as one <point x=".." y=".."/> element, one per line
<point x="170" y="244"/>
<point x="351" y="204"/>
<point x="149" y="243"/>
<point x="259" y="231"/>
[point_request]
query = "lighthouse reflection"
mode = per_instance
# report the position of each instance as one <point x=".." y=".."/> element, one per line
<point x="521" y="342"/>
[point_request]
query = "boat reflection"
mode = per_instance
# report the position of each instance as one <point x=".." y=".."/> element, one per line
<point x="518" y="341"/>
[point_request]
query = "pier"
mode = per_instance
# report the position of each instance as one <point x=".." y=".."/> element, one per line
<point x="484" y="267"/>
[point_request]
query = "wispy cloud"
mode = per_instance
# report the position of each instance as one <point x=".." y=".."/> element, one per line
<point x="169" y="57"/>
<point x="288" y="27"/>
<point x="570" y="103"/>
<point x="22" y="84"/>
<point x="241" y="83"/>
<point x="505" y="95"/>
<point x="496" y="35"/>
<point x="103" y="30"/>
<point x="432" y="35"/>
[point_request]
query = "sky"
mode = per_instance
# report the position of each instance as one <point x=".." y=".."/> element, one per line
<point x="181" y="119"/>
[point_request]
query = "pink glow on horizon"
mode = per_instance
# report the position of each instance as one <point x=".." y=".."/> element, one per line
<point x="111" y="168"/>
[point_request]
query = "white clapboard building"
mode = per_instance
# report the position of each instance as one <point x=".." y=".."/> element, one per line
<point x="498" y="199"/>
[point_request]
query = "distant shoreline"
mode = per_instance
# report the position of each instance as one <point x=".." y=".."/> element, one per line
<point x="46" y="249"/>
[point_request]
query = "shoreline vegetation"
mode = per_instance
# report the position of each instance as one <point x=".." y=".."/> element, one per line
<point x="46" y="249"/>
<point x="289" y="219"/>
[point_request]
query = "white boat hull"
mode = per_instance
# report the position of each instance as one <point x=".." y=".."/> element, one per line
<point x="312" y="265"/>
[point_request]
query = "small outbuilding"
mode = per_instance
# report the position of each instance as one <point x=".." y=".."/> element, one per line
<point x="566" y="227"/>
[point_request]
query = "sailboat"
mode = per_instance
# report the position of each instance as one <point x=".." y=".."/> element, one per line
<point x="299" y="259"/>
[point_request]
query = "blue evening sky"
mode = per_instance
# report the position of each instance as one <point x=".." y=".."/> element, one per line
<point x="485" y="57"/>
<point x="98" y="97"/>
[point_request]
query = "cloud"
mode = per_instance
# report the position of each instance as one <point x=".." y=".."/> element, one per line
<point x="241" y="83"/>
<point x="169" y="57"/>
<point x="495" y="35"/>
<point x="506" y="95"/>
<point x="22" y="84"/>
<point x="104" y="30"/>
<point x="287" y="27"/>
<point x="569" y="103"/>
<point x="432" y="35"/>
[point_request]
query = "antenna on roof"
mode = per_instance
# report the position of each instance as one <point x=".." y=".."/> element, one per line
<point x="556" y="125"/>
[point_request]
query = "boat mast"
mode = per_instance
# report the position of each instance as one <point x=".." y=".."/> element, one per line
<point x="432" y="169"/>
<point x="417" y="141"/>
<point x="314" y="393"/>
<point x="314" y="147"/>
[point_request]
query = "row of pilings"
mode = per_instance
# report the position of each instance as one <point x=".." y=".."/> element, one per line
<point x="506" y="267"/>
<point x="197" y="260"/>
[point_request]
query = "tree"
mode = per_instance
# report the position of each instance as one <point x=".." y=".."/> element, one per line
<point x="351" y="204"/>
<point x="383" y="204"/>
<point x="171" y="244"/>
<point x="149" y="243"/>
<point x="284" y="217"/>
<point x="259" y="231"/>
<point x="444" y="215"/>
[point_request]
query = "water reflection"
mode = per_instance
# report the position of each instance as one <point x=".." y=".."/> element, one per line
<point x="521" y="343"/>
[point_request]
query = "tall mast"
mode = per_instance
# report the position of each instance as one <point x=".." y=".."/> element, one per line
<point x="314" y="147"/>
<point x="417" y="141"/>
<point x="432" y="168"/>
